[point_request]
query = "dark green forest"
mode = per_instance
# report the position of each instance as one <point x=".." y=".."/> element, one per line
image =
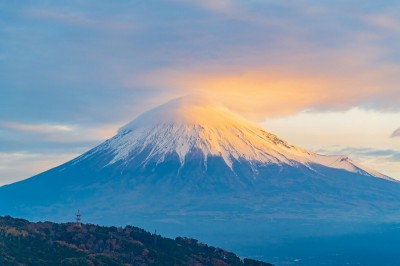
<point x="46" y="243"/>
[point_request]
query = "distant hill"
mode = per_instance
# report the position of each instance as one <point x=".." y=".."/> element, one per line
<point x="47" y="243"/>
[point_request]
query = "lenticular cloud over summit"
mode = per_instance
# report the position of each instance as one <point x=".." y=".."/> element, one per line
<point x="186" y="110"/>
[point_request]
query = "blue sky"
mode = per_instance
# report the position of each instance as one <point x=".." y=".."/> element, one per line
<point x="73" y="72"/>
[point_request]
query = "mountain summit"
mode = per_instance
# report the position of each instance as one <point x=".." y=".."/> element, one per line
<point x="190" y="163"/>
<point x="187" y="126"/>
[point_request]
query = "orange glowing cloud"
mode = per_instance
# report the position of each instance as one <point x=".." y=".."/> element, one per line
<point x="262" y="92"/>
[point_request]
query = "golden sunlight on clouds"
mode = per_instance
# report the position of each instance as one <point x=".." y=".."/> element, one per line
<point x="261" y="93"/>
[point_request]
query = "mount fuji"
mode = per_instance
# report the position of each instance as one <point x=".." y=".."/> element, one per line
<point x="191" y="166"/>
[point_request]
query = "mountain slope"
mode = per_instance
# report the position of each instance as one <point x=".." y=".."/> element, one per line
<point x="191" y="165"/>
<point x="25" y="243"/>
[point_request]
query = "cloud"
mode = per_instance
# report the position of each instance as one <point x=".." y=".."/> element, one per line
<point x="386" y="161"/>
<point x="37" y="128"/>
<point x="396" y="133"/>
<point x="270" y="91"/>
<point x="268" y="58"/>
<point x="228" y="7"/>
<point x="379" y="154"/>
<point x="39" y="137"/>
<point x="30" y="148"/>
<point x="63" y="130"/>
<point x="288" y="70"/>
<point x="386" y="21"/>
<point x="15" y="166"/>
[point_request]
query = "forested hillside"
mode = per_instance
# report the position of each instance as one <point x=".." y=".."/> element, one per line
<point x="47" y="243"/>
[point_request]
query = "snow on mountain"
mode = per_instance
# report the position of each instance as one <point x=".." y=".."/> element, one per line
<point x="193" y="162"/>
<point x="187" y="124"/>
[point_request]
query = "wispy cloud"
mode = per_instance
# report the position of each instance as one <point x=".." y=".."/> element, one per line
<point x="15" y="166"/>
<point x="386" y="161"/>
<point x="386" y="21"/>
<point x="50" y="133"/>
<point x="378" y="154"/>
<point x="221" y="6"/>
<point x="37" y="128"/>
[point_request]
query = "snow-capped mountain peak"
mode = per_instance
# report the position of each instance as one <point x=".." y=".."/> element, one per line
<point x="188" y="124"/>
<point x="193" y="160"/>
